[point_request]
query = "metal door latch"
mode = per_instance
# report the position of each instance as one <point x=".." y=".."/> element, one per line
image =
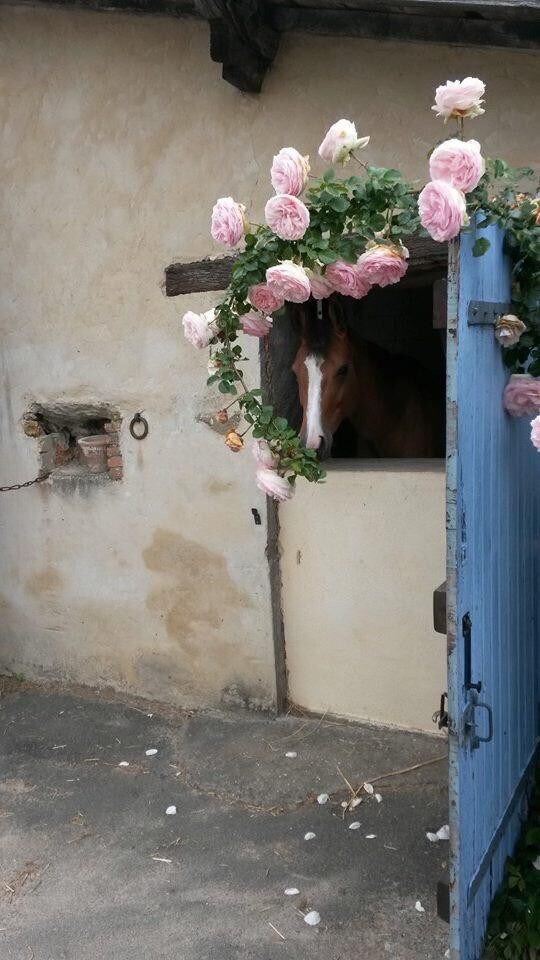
<point x="440" y="717"/>
<point x="470" y="726"/>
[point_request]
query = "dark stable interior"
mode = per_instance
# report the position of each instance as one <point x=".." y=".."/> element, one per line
<point x="399" y="319"/>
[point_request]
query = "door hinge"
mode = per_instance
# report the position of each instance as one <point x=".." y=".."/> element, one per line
<point x="483" y="312"/>
<point x="466" y="628"/>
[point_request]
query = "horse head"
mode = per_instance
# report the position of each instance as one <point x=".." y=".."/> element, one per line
<point x="325" y="371"/>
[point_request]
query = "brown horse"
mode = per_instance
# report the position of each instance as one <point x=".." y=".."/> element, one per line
<point x="388" y="399"/>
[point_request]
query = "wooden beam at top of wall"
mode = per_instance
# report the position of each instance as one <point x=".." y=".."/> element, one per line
<point x="201" y="276"/>
<point x="416" y="27"/>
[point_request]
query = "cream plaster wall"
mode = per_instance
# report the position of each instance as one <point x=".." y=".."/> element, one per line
<point x="361" y="558"/>
<point x="118" y="133"/>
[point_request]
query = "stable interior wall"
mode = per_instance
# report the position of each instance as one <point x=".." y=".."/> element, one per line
<point x="118" y="135"/>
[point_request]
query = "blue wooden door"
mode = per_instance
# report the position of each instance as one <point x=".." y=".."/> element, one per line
<point x="493" y="528"/>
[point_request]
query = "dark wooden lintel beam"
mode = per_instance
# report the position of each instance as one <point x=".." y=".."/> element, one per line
<point x="202" y="276"/>
<point x="417" y="27"/>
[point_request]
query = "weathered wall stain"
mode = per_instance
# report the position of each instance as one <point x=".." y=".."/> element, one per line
<point x="46" y="580"/>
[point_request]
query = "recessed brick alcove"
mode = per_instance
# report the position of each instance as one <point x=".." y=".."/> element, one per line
<point x="59" y="427"/>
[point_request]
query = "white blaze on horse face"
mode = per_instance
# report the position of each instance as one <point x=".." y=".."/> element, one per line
<point x="314" y="428"/>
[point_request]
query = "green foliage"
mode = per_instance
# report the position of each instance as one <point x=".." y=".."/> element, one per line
<point x="514" y="922"/>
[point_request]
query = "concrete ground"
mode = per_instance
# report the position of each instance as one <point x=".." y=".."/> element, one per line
<point x="92" y="867"/>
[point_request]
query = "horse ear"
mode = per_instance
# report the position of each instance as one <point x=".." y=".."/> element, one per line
<point x="338" y="323"/>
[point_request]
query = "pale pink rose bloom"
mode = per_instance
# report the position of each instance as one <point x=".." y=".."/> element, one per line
<point x="262" y="298"/>
<point x="459" y="98"/>
<point x="382" y="265"/>
<point x="521" y="397"/>
<point x="442" y="210"/>
<point x="347" y="279"/>
<point x="228" y="221"/>
<point x="199" y="328"/>
<point x="264" y="458"/>
<point x="320" y="286"/>
<point x="535" y="432"/>
<point x="287" y="216"/>
<point x="290" y="281"/>
<point x="289" y="173"/>
<point x="459" y="162"/>
<point x="256" y="324"/>
<point x="340" y="141"/>
<point x="270" y="482"/>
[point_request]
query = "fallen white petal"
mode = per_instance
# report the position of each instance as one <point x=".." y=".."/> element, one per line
<point x="355" y="802"/>
<point x="161" y="860"/>
<point x="355" y="825"/>
<point x="368" y="787"/>
<point x="418" y="906"/>
<point x="291" y="891"/>
<point x="536" y="863"/>
<point x="124" y="763"/>
<point x="444" y="832"/>
<point x="432" y="837"/>
<point x="312" y="918"/>
<point x="447" y="954"/>
<point x="151" y="752"/>
<point x="378" y="797"/>
<point x="170" y="811"/>
<point x="323" y="798"/>
<point x="371" y="836"/>
<point x="291" y="754"/>
<point x="309" y="835"/>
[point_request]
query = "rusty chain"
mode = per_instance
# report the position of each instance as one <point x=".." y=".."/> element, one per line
<point x="29" y="483"/>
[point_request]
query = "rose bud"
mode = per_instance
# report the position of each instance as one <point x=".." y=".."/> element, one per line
<point x="234" y="441"/>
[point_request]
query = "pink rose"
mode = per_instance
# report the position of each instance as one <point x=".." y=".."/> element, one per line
<point x="383" y="264"/>
<point x="256" y="324"/>
<point x="199" y="328"/>
<point x="228" y="222"/>
<point x="264" y="458"/>
<point x="442" y="210"/>
<point x="287" y="216"/>
<point x="458" y="162"/>
<point x="347" y="279"/>
<point x="535" y="432"/>
<point x="340" y="141"/>
<point x="273" y="485"/>
<point x="320" y="286"/>
<point x="261" y="297"/>
<point x="289" y="173"/>
<point x="521" y="397"/>
<point x="459" y="98"/>
<point x="290" y="281"/>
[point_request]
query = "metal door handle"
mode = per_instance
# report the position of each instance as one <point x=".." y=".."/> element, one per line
<point x="489" y="711"/>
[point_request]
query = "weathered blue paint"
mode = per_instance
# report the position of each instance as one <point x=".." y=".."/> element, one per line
<point x="493" y="518"/>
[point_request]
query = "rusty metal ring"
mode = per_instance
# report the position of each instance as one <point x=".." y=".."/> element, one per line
<point x="138" y="435"/>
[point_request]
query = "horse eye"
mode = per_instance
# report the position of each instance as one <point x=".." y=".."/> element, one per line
<point x="343" y="371"/>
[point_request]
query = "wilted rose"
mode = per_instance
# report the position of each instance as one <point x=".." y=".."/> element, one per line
<point x="442" y="209"/>
<point x="289" y="173"/>
<point x="287" y="216"/>
<point x="290" y="281"/>
<point x="273" y="485"/>
<point x="263" y="455"/>
<point x="262" y="298"/>
<point x="535" y="432"/>
<point x="222" y="416"/>
<point x="256" y="324"/>
<point x="199" y="328"/>
<point x="383" y="264"/>
<point x="340" y="141"/>
<point x="508" y="330"/>
<point x="234" y="441"/>
<point x="521" y="397"/>
<point x="347" y="279"/>
<point x="228" y="221"/>
<point x="459" y="162"/>
<point x="460" y="98"/>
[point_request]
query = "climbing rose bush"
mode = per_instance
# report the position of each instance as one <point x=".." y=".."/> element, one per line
<point x="347" y="235"/>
